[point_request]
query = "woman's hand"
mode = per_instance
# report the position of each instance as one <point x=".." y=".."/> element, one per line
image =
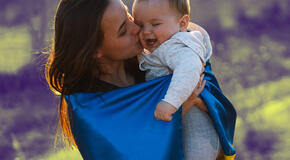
<point x="195" y="27"/>
<point x="193" y="100"/>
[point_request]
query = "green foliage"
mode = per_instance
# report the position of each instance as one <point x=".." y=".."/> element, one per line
<point x="249" y="62"/>
<point x="226" y="14"/>
<point x="248" y="100"/>
<point x="255" y="9"/>
<point x="15" y="48"/>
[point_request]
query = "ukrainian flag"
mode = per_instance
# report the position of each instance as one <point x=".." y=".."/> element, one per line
<point x="120" y="124"/>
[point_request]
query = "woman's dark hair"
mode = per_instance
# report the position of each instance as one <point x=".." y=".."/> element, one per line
<point x="72" y="66"/>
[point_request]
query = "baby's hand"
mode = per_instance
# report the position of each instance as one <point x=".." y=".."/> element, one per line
<point x="164" y="111"/>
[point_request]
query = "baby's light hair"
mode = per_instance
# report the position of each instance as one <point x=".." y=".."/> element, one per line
<point x="181" y="6"/>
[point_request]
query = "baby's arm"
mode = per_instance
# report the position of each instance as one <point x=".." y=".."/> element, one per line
<point x="164" y="110"/>
<point x="187" y="67"/>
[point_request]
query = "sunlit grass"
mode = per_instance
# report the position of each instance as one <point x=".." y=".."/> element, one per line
<point x="261" y="94"/>
<point x="15" y="48"/>
<point x="265" y="107"/>
<point x="62" y="154"/>
<point x="272" y="115"/>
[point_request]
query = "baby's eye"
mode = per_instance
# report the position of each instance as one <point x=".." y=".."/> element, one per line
<point x="155" y="24"/>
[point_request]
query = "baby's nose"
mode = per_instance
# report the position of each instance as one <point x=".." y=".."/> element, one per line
<point x="146" y="30"/>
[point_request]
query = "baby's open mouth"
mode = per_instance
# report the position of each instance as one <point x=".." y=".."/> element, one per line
<point x="150" y="42"/>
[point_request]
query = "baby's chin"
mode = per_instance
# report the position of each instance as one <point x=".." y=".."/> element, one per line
<point x="149" y="50"/>
<point x="146" y="51"/>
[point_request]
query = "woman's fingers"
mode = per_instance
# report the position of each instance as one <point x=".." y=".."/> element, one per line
<point x="202" y="72"/>
<point x="196" y="27"/>
<point x="200" y="81"/>
<point x="201" y="77"/>
<point x="203" y="84"/>
<point x="200" y="88"/>
<point x="200" y="85"/>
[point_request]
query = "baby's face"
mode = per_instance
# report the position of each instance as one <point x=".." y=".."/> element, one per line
<point x="158" y="22"/>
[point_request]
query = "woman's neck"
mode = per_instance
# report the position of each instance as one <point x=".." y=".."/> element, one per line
<point x="115" y="73"/>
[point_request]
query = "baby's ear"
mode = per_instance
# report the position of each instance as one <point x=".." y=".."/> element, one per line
<point x="183" y="23"/>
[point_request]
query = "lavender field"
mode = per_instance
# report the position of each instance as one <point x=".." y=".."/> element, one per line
<point x="251" y="59"/>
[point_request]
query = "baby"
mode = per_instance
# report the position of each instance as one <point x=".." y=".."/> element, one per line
<point x="169" y="48"/>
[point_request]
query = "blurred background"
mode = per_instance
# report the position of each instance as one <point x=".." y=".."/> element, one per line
<point x="251" y="59"/>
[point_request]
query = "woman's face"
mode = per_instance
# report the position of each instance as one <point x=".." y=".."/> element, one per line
<point x="121" y="40"/>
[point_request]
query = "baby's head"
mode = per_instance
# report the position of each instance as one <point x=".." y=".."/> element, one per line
<point x="160" y="19"/>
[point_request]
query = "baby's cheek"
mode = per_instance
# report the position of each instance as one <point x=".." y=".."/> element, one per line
<point x="165" y="34"/>
<point x="142" y="41"/>
<point x="140" y="35"/>
<point x="163" y="37"/>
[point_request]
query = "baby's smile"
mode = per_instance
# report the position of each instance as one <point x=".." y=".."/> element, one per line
<point x="150" y="44"/>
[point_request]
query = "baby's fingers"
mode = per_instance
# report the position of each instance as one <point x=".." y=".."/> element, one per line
<point x="166" y="118"/>
<point x="169" y="118"/>
<point x="162" y="117"/>
<point x="156" y="115"/>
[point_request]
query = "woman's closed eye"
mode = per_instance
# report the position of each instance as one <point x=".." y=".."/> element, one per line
<point x="122" y="29"/>
<point x="123" y="32"/>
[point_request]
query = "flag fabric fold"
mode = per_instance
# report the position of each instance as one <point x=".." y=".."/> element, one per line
<point x="221" y="111"/>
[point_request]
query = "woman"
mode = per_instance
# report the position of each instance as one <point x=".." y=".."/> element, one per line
<point x="94" y="50"/>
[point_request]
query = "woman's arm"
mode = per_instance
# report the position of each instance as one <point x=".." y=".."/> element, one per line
<point x="196" y="102"/>
<point x="200" y="104"/>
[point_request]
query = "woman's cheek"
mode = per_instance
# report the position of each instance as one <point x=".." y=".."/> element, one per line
<point x="127" y="45"/>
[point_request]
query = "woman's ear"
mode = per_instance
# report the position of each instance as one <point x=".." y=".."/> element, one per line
<point x="183" y="23"/>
